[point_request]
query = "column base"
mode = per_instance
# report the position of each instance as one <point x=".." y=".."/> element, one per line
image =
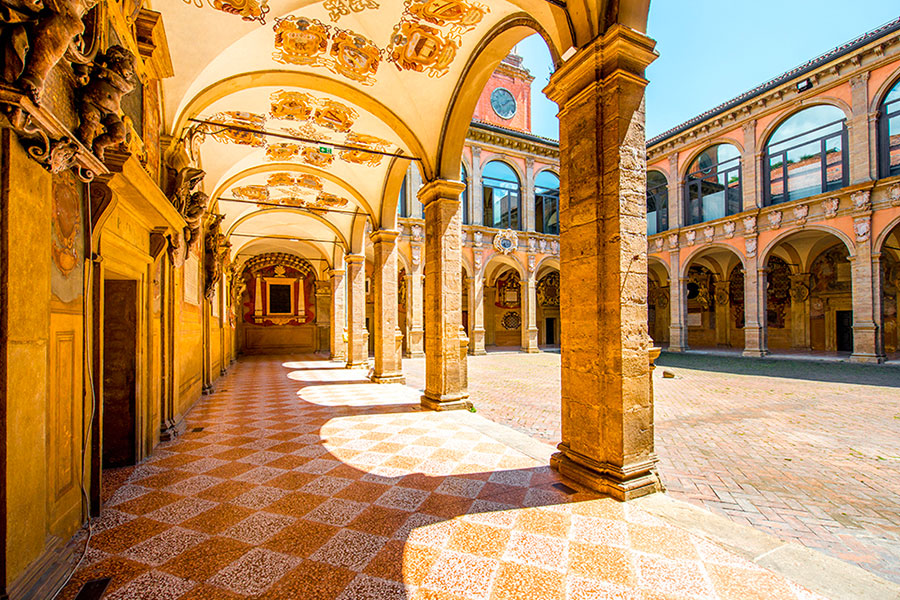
<point x="208" y="389"/>
<point x="477" y="352"/>
<point x="637" y="481"/>
<point x="754" y="353"/>
<point x="446" y="403"/>
<point x="529" y="350"/>
<point x="414" y="354"/>
<point x="871" y="359"/>
<point x="356" y="365"/>
<point x="171" y="430"/>
<point x="388" y="378"/>
<point x="672" y="348"/>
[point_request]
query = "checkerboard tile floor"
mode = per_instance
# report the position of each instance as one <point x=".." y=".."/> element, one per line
<point x="307" y="481"/>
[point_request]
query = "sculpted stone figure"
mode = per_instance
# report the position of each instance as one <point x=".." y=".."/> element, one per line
<point x="193" y="215"/>
<point x="100" y="100"/>
<point x="216" y="250"/>
<point x="35" y="36"/>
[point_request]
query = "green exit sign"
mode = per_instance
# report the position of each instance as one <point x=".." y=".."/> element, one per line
<point x="324" y="150"/>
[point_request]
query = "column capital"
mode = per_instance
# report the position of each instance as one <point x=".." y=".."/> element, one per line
<point x="354" y="258"/>
<point x="384" y="236"/>
<point x="441" y="189"/>
<point x="621" y="52"/>
<point x="332" y="273"/>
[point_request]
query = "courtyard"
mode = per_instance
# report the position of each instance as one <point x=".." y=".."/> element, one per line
<point x="808" y="451"/>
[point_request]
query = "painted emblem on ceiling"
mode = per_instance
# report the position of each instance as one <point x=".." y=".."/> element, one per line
<point x="249" y="10"/>
<point x="293" y="106"/>
<point x="282" y="152"/>
<point x="364" y="142"/>
<point x="312" y="156"/>
<point x="244" y="120"/>
<point x="341" y="8"/>
<point x="460" y="16"/>
<point x="302" y="41"/>
<point x="285" y="189"/>
<point x="324" y="112"/>
<point x="355" y="57"/>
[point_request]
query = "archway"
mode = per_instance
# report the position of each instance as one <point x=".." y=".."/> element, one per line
<point x="714" y="298"/>
<point x="890" y="292"/>
<point x="658" y="300"/>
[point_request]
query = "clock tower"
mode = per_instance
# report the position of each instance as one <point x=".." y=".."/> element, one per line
<point x="506" y="99"/>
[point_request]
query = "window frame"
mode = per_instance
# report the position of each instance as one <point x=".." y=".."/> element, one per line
<point x="506" y="218"/>
<point x="717" y="169"/>
<point x="540" y="202"/>
<point x="884" y="132"/>
<point x="662" y="215"/>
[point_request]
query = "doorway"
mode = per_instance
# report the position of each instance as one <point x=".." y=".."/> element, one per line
<point x="119" y="373"/>
<point x="550" y="331"/>
<point x="844" y="323"/>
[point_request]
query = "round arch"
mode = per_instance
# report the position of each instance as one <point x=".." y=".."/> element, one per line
<point x="884" y="234"/>
<point x="661" y="263"/>
<point x="840" y="235"/>
<point x="766" y="133"/>
<point x="547" y="264"/>
<point x="685" y="170"/>
<point x="293" y="248"/>
<point x="705" y="250"/>
<point x="287" y="209"/>
<point x="497" y="262"/>
<point x="881" y="93"/>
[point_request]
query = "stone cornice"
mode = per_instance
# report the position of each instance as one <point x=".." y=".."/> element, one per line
<point x="513" y="142"/>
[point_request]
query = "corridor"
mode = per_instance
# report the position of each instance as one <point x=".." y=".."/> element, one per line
<point x="300" y="479"/>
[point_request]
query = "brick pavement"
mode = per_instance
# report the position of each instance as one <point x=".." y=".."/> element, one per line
<point x="806" y="451"/>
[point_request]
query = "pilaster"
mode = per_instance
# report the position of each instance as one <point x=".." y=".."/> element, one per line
<point x="476" y="192"/>
<point x="476" y="313"/>
<point x="607" y="403"/>
<point x="720" y="298"/>
<point x="529" y="315"/>
<point x="755" y="320"/>
<point x="357" y="348"/>
<point x="388" y="364"/>
<point x="678" y="331"/>
<point x="445" y="375"/>
<point x="323" y="314"/>
<point x="858" y="130"/>
<point x="676" y="194"/>
<point x="528" y="199"/>
<point x="867" y="347"/>
<point x="750" y="161"/>
<point x="415" y="324"/>
<point x="338" y="315"/>
<point x="800" y="286"/>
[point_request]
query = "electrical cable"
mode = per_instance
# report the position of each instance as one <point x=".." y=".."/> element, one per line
<point x="88" y="356"/>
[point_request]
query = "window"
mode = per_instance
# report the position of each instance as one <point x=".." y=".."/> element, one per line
<point x="281" y="299"/>
<point x="501" y="196"/>
<point x="657" y="202"/>
<point x="546" y="203"/>
<point x="402" y="207"/>
<point x="889" y="133"/>
<point x="464" y="197"/>
<point x="805" y="155"/>
<point x="713" y="185"/>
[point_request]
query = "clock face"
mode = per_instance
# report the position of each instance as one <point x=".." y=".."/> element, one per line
<point x="503" y="103"/>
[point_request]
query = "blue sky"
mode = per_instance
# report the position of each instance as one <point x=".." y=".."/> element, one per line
<point x="713" y="50"/>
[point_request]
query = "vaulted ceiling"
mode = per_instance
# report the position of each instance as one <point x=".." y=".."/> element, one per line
<point x="351" y="92"/>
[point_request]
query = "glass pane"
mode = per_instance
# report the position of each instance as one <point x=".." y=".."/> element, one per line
<point x="500" y="171"/>
<point x="894" y="94"/>
<point x="805" y="126"/>
<point x="488" y="216"/>
<point x="651" y="222"/>
<point x="834" y="158"/>
<point x="694" y="215"/>
<point x="546" y="182"/>
<point x="894" y="141"/>
<point x="539" y="222"/>
<point x="804" y="170"/>
<point x="776" y="178"/>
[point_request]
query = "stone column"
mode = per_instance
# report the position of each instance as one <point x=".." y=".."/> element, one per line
<point x="528" y="223"/>
<point x="476" y="197"/>
<point x="338" y="315"/>
<point x="415" y="184"/>
<point x="476" y="313"/>
<point x="489" y="298"/>
<point x="678" y="331"/>
<point x="607" y="404"/>
<point x="800" y="339"/>
<point x="723" y="330"/>
<point x="388" y="367"/>
<point x="676" y="195"/>
<point x="755" y="319"/>
<point x="867" y="347"/>
<point x="445" y="384"/>
<point x="357" y="347"/>
<point x="858" y="130"/>
<point x="323" y="313"/>
<point x="415" y="332"/>
<point x="528" y="295"/>
<point x="750" y="161"/>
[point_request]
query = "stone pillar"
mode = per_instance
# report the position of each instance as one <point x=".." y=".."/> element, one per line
<point x="607" y="406"/>
<point x="415" y="184"/>
<point x="357" y="347"/>
<point x="858" y="130"/>
<point x="528" y="297"/>
<point x="678" y="331"/>
<point x="720" y="298"/>
<point x="388" y="368"/>
<point x="323" y="314"/>
<point x="476" y="313"/>
<point x="338" y="315"/>
<point x="415" y="327"/>
<point x="489" y="299"/>
<point x="867" y="347"/>
<point x="445" y="384"/>
<point x="528" y="197"/>
<point x="476" y="193"/>
<point x="755" y="287"/>
<point x="750" y="161"/>
<point x="676" y="195"/>
<point x="800" y="285"/>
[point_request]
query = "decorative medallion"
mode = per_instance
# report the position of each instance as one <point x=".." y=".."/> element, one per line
<point x="801" y="213"/>
<point x="511" y="321"/>
<point x="729" y="229"/>
<point x="302" y="191"/>
<point x="245" y="120"/>
<point x="690" y="237"/>
<point x="542" y="244"/>
<point x="775" y="219"/>
<point x="312" y="156"/>
<point x="532" y="244"/>
<point x="333" y="115"/>
<point x="476" y="238"/>
<point x="260" y="193"/>
<point x="459" y="16"/>
<point x="282" y="152"/>
<point x="722" y="297"/>
<point x="416" y="255"/>
<point x="355" y="57"/>
<point x="658" y="244"/>
<point x="862" y="227"/>
<point x="479" y="257"/>
<point x="66" y="224"/>
<point x="799" y="288"/>
<point x="292" y="106"/>
<point x="749" y="225"/>
<point x="750" y="246"/>
<point x="709" y="233"/>
<point x="418" y="47"/>
<point x="416" y="233"/>
<point x="673" y="241"/>
<point x="548" y="290"/>
<point x="249" y="10"/>
<point x="532" y="261"/>
<point x="301" y="41"/>
<point x="862" y="200"/>
<point x="506" y="241"/>
<point x="895" y="194"/>
<point x="831" y="207"/>
<point x="364" y="143"/>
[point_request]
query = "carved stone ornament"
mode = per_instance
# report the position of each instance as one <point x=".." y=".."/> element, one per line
<point x="709" y="233"/>
<point x="416" y="233"/>
<point x="862" y="200"/>
<point x="690" y="237"/>
<point x="532" y="261"/>
<point x="799" y="289"/>
<point x="658" y="244"/>
<point x="775" y="219"/>
<point x="831" y="207"/>
<point x="476" y="238"/>
<point x="729" y="227"/>
<point x="532" y="244"/>
<point x="479" y="256"/>
<point x="217" y="247"/>
<point x="554" y="247"/>
<point x="750" y="246"/>
<point x="801" y="213"/>
<point x="506" y="241"/>
<point x="190" y="204"/>
<point x="99" y="100"/>
<point x="722" y="297"/>
<point x="542" y="244"/>
<point x="673" y="241"/>
<point x="749" y="225"/>
<point x="416" y="255"/>
<point x="862" y="227"/>
<point x="895" y="194"/>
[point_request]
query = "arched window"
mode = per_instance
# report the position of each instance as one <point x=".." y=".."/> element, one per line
<point x="464" y="196"/>
<point x="657" y="202"/>
<point x="713" y="185"/>
<point x="546" y="203"/>
<point x="805" y="155"/>
<point x="501" y="196"/>
<point x="402" y="204"/>
<point x="889" y="133"/>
